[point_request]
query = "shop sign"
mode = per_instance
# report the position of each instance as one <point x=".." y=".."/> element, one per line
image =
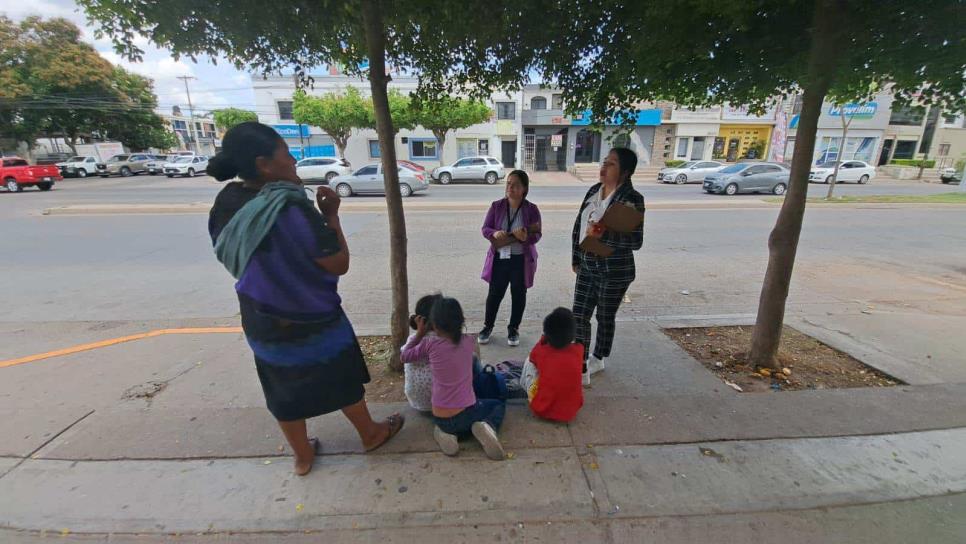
<point x="651" y="118"/>
<point x="743" y="113"/>
<point x="559" y="120"/>
<point x="292" y="131"/>
<point x="855" y="111"/>
<point x="556" y="141"/>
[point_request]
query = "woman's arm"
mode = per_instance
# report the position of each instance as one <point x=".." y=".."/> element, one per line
<point x="489" y="223"/>
<point x="415" y="350"/>
<point x="535" y="228"/>
<point x="337" y="263"/>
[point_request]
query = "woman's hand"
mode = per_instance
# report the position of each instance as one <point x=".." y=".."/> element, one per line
<point x="520" y="234"/>
<point x="595" y="230"/>
<point x="328" y="201"/>
<point x="499" y="235"/>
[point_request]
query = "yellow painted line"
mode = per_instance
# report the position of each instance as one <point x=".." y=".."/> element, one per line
<point x="114" y="341"/>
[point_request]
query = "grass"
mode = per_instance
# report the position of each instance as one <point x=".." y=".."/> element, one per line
<point x="940" y="198"/>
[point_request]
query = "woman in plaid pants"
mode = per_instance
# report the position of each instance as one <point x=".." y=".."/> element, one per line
<point x="602" y="281"/>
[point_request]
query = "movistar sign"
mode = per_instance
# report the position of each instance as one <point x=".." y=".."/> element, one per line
<point x="865" y="110"/>
<point x="292" y="131"/>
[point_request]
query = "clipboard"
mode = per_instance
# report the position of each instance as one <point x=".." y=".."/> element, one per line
<point x="618" y="218"/>
<point x="510" y="239"/>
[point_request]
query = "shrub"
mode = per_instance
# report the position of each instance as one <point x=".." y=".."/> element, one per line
<point x="673" y="163"/>
<point x="914" y="162"/>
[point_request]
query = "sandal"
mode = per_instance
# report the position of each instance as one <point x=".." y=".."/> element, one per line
<point x="396" y="422"/>
<point x="316" y="445"/>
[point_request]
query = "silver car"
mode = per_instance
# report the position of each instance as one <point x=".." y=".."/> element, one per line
<point x="689" y="172"/>
<point x="369" y="180"/>
<point x="748" y="177"/>
<point x="488" y="169"/>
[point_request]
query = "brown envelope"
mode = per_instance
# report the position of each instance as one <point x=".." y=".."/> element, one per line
<point x="622" y="218"/>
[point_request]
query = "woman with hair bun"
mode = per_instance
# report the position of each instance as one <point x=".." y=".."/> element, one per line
<point x="287" y="256"/>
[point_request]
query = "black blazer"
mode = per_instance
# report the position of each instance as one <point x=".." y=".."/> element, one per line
<point x="620" y="265"/>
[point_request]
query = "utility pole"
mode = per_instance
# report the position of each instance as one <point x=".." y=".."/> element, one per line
<point x="191" y="112"/>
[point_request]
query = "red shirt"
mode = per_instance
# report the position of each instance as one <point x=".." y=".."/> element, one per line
<point x="559" y="392"/>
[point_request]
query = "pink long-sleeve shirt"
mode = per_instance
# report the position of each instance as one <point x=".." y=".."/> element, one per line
<point x="452" y="368"/>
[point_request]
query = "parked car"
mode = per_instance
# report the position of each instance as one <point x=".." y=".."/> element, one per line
<point x="17" y="173"/>
<point x="483" y="168"/>
<point x="369" y="180"/>
<point x="124" y="165"/>
<point x="322" y="168"/>
<point x="80" y="166"/>
<point x="186" y="165"/>
<point x="156" y="164"/>
<point x="951" y="175"/>
<point x="748" y="177"/>
<point x="411" y="165"/>
<point x="857" y="171"/>
<point x="689" y="172"/>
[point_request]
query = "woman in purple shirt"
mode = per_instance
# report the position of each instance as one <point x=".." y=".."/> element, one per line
<point x="512" y="226"/>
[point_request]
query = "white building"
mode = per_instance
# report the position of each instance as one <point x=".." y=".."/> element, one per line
<point x="498" y="138"/>
<point x="190" y="131"/>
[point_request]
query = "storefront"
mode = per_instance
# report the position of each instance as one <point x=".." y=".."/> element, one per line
<point x="303" y="143"/>
<point x="867" y="122"/>
<point x="743" y="134"/>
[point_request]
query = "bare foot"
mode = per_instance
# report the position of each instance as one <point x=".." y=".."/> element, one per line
<point x="304" y="466"/>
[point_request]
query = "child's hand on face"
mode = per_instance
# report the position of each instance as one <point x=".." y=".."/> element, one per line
<point x="422" y="326"/>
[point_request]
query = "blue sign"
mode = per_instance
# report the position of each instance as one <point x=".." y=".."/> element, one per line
<point x="291" y="131"/>
<point x="855" y="111"/>
<point x="645" y="118"/>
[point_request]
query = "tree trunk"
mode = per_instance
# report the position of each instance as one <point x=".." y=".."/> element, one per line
<point x="783" y="241"/>
<point x="340" y="145"/>
<point x="839" y="159"/>
<point x="378" y="82"/>
<point x="441" y="138"/>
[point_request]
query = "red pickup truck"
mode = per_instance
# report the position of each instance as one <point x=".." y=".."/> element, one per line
<point x="16" y="173"/>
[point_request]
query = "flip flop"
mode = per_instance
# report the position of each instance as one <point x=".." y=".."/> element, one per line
<point x="316" y="445"/>
<point x="396" y="422"/>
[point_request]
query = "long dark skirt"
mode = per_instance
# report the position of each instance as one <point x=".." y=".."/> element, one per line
<point x="306" y="369"/>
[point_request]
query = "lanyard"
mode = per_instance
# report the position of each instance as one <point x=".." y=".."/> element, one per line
<point x="509" y="219"/>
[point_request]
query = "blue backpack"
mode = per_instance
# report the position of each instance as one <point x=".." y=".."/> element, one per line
<point x="490" y="384"/>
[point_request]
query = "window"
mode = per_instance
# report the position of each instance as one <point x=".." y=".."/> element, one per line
<point x="538" y="103"/>
<point x="622" y="140"/>
<point x="557" y="101"/>
<point x="858" y="148"/>
<point x="506" y="110"/>
<point x="422" y="149"/>
<point x="797" y="105"/>
<point x="908" y="116"/>
<point x="949" y="118"/>
<point x="905" y="149"/>
<point x="285" y="110"/>
<point x="374" y="149"/>
<point x="464" y="162"/>
<point x="465" y="148"/>
<point x="755" y="170"/>
<point x="943" y="150"/>
<point x="366" y="171"/>
<point x="707" y="165"/>
<point x="477" y="162"/>
<point x="682" y="147"/>
<point x="770" y="168"/>
<point x="493" y="162"/>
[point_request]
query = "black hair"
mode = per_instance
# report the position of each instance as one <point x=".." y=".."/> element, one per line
<point x="559" y="328"/>
<point x="242" y="144"/>
<point x="524" y="180"/>
<point x="447" y="318"/>
<point x="424" y="307"/>
<point x="626" y="161"/>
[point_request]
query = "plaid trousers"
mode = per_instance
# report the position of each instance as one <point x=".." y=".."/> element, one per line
<point x="595" y="290"/>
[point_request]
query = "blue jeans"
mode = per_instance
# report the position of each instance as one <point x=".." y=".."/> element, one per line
<point x="491" y="411"/>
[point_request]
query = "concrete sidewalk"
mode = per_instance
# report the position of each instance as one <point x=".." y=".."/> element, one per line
<point x="661" y="450"/>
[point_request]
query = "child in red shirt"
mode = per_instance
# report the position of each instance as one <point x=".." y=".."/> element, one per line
<point x="551" y="375"/>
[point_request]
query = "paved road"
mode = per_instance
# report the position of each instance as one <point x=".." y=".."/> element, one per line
<point x="161" y="190"/>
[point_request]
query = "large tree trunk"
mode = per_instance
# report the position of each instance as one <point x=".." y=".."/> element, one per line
<point x="441" y="138"/>
<point x="379" y="81"/>
<point x="340" y="145"/>
<point x="783" y="241"/>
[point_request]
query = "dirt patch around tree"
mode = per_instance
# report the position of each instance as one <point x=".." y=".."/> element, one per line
<point x="806" y="363"/>
<point x="386" y="384"/>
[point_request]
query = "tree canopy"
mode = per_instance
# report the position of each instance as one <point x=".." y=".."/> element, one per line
<point x="446" y="113"/>
<point x="226" y="118"/>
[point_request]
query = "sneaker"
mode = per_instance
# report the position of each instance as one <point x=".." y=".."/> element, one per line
<point x="487" y="438"/>
<point x="585" y="379"/>
<point x="595" y="365"/>
<point x="484" y="336"/>
<point x="447" y="442"/>
<point x="513" y="338"/>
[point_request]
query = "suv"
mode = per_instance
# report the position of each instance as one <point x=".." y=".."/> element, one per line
<point x="186" y="165"/>
<point x="487" y="169"/>
<point x="80" y="166"/>
<point x="156" y="164"/>
<point x="322" y="168"/>
<point x="124" y="165"/>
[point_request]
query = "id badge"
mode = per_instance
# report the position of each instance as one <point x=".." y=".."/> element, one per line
<point x="505" y="252"/>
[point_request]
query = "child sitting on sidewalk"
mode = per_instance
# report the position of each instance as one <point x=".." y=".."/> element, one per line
<point x="419" y="378"/>
<point x="551" y="375"/>
<point x="456" y="410"/>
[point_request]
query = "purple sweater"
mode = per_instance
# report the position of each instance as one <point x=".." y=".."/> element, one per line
<point x="494" y="222"/>
<point x="451" y="365"/>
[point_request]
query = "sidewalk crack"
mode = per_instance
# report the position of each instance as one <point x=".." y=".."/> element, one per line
<point x="44" y="445"/>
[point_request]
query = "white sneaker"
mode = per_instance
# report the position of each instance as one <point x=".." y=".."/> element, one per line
<point x="447" y="442"/>
<point x="595" y="365"/>
<point x="487" y="438"/>
<point x="585" y="379"/>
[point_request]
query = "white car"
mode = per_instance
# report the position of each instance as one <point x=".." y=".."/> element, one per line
<point x="488" y="169"/>
<point x="80" y="166"/>
<point x="369" y="180"/>
<point x="689" y="172"/>
<point x="186" y="166"/>
<point x="156" y="166"/>
<point x="322" y="169"/>
<point x="857" y="171"/>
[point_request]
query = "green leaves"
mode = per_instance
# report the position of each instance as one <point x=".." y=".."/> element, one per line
<point x="338" y="114"/>
<point x="229" y="117"/>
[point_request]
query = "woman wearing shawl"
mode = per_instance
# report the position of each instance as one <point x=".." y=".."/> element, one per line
<point x="287" y="258"/>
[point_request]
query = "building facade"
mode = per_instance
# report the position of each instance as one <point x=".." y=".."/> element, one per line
<point x="197" y="133"/>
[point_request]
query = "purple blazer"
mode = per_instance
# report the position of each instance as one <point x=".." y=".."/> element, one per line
<point x="494" y="222"/>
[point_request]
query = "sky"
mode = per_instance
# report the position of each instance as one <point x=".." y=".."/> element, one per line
<point x="216" y="86"/>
